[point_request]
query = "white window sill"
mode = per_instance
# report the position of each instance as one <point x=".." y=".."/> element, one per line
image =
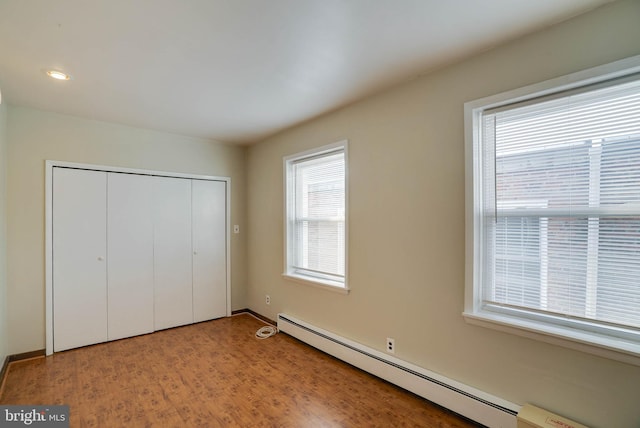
<point x="315" y="282"/>
<point x="604" y="346"/>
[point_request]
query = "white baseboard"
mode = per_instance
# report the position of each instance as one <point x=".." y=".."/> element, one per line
<point x="472" y="403"/>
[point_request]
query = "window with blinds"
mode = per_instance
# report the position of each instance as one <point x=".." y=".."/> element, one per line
<point x="563" y="196"/>
<point x="316" y="216"/>
<point x="557" y="208"/>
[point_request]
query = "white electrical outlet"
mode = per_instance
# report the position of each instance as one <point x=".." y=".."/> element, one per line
<point x="267" y="299"/>
<point x="236" y="228"/>
<point x="391" y="345"/>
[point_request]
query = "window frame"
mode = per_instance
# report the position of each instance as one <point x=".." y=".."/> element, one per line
<point x="580" y="335"/>
<point x="290" y="272"/>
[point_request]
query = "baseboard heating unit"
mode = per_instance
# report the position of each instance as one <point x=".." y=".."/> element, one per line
<point x="472" y="403"/>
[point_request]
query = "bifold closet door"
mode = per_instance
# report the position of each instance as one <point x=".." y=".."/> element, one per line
<point x="172" y="252"/>
<point x="79" y="258"/>
<point x="130" y="254"/>
<point x="209" y="250"/>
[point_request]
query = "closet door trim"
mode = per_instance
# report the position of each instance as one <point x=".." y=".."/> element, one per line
<point x="49" y="167"/>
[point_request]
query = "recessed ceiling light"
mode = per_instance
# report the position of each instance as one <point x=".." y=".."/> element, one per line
<point x="59" y="75"/>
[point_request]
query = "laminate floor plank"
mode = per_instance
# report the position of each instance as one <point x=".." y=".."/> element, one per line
<point x="215" y="374"/>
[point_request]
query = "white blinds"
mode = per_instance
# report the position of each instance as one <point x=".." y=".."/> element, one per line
<point x="561" y="192"/>
<point x="319" y="216"/>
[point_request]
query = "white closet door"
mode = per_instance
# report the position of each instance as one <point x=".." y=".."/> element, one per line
<point x="172" y="252"/>
<point x="79" y="258"/>
<point x="209" y="250"/>
<point x="130" y="255"/>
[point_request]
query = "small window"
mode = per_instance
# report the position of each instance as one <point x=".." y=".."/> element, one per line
<point x="316" y="216"/>
<point x="555" y="223"/>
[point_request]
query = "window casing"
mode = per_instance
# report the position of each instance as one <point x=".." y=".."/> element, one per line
<point x="316" y="216"/>
<point x="553" y="220"/>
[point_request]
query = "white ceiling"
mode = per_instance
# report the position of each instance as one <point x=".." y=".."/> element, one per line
<point x="238" y="71"/>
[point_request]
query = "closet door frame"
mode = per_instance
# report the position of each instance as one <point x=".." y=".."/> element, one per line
<point x="49" y="167"/>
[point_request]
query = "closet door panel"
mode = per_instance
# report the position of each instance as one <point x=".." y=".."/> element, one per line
<point x="209" y="250"/>
<point x="79" y="258"/>
<point x="172" y="252"/>
<point x="130" y="255"/>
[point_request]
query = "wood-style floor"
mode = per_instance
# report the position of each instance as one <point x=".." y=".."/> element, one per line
<point x="215" y="374"/>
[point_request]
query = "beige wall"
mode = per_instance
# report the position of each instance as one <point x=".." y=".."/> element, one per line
<point x="35" y="136"/>
<point x="406" y="254"/>
<point x="3" y="234"/>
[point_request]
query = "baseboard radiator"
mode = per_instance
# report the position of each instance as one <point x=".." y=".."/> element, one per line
<point x="472" y="403"/>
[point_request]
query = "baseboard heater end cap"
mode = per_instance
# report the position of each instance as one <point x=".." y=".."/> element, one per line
<point x="531" y="416"/>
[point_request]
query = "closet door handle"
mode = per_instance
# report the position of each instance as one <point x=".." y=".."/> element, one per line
<point x="100" y="258"/>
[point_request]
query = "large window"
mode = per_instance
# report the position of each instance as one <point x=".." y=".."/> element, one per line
<point x="555" y="227"/>
<point x="316" y="216"/>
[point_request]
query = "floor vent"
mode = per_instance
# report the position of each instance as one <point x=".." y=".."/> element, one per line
<point x="462" y="399"/>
